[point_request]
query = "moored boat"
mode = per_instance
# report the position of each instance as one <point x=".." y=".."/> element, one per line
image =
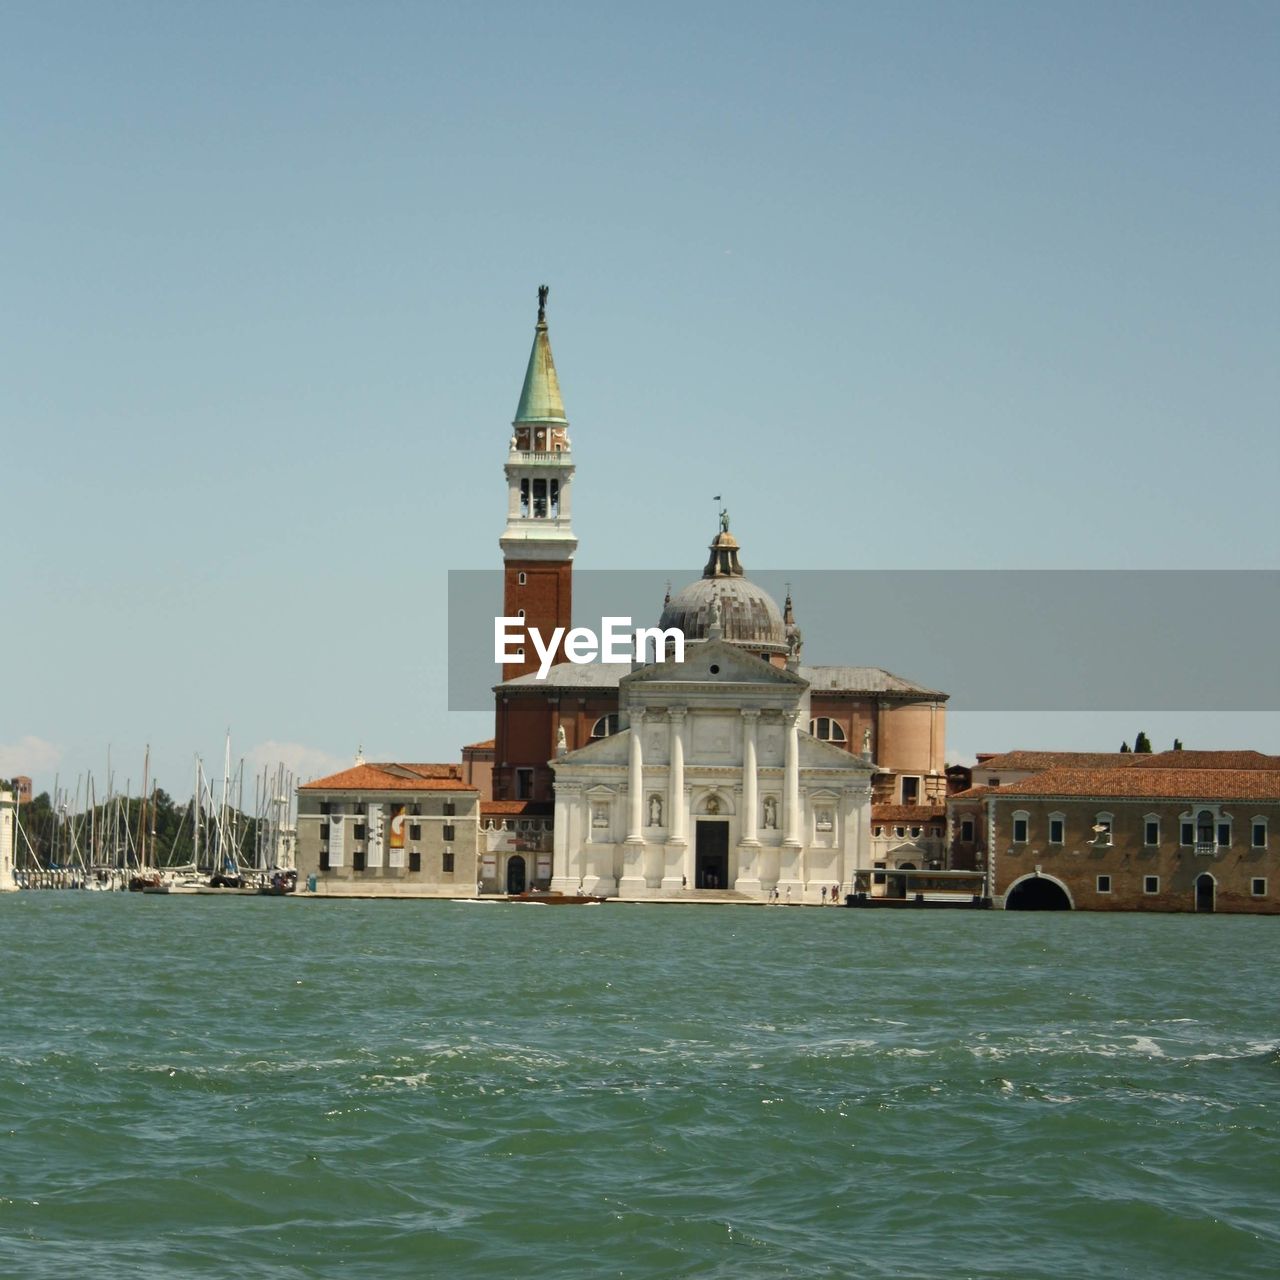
<point x="553" y="898"/>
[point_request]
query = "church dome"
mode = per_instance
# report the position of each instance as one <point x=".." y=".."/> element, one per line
<point x="747" y="613"/>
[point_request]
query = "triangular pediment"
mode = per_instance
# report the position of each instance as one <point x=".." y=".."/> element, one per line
<point x="732" y="666"/>
<point x="611" y="750"/>
<point x="816" y="754"/>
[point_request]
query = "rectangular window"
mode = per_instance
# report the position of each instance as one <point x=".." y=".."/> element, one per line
<point x="1258" y="887"/>
<point x="1150" y="884"/>
<point x="448" y="831"/>
<point x="1224" y="834"/>
<point x="326" y="807"/>
<point x="966" y="829"/>
<point x="1187" y="833"/>
<point x="324" y="831"/>
<point x="877" y="877"/>
<point x="324" y="859"/>
<point x="1019" y="831"/>
<point x="1104" y="884"/>
<point x="1259" y="835"/>
<point x="358" y="833"/>
<point x="524" y="784"/>
<point x="448" y="809"/>
<point x="357" y="859"/>
<point x="415" y="860"/>
<point x="448" y="862"/>
<point x="910" y="790"/>
<point x="415" y="831"/>
<point x="1151" y="832"/>
<point x="1057" y="829"/>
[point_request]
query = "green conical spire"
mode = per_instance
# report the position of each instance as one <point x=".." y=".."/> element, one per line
<point x="540" y="398"/>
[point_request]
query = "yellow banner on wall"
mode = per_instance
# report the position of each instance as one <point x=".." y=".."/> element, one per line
<point x="396" y="840"/>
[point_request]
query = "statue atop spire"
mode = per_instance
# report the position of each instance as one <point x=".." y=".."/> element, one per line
<point x="543" y="290"/>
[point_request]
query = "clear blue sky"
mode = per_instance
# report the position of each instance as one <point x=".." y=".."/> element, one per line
<point x="988" y="285"/>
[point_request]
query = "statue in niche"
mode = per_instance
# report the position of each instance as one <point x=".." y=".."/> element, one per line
<point x="713" y="804"/>
<point x="655" y="811"/>
<point x="824" y="820"/>
<point x="866" y="741"/>
<point x="562" y="743"/>
<point x="771" y="813"/>
<point x="600" y="814"/>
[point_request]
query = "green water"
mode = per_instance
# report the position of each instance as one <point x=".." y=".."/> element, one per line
<point x="259" y="1087"/>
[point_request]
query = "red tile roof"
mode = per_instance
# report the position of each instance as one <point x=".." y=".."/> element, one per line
<point x="520" y="808"/>
<point x="1158" y="783"/>
<point x="487" y="745"/>
<point x="1023" y="760"/>
<point x="393" y="777"/>
<point x="1204" y="760"/>
<point x="916" y="814"/>
<point x="973" y="793"/>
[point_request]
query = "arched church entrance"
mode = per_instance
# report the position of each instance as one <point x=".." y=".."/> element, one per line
<point x="711" y="854"/>
<point x="1037" y="893"/>
<point x="1205" y="891"/>
<point x="517" y="877"/>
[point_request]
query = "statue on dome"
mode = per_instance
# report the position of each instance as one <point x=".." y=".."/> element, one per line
<point x="716" y="619"/>
<point x="724" y="520"/>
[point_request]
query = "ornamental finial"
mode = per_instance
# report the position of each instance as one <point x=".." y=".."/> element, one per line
<point x="543" y="290"/>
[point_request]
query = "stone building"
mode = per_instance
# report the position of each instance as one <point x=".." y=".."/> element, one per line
<point x="711" y="783"/>
<point x="1179" y="831"/>
<point x="515" y="845"/>
<point x="390" y="830"/>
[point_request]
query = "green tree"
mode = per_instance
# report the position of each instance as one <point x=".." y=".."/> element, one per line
<point x="1142" y="743"/>
<point x="1124" y="748"/>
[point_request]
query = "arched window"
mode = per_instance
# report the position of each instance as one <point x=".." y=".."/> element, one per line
<point x="826" y="729"/>
<point x="605" y="725"/>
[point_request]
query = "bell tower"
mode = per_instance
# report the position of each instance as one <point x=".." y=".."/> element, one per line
<point x="538" y="542"/>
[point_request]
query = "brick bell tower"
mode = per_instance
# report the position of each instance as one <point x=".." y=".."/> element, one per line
<point x="538" y="542"/>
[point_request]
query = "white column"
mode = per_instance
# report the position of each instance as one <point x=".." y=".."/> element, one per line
<point x="635" y="780"/>
<point x="673" y="870"/>
<point x="750" y="799"/>
<point x="632" y="882"/>
<point x="791" y="789"/>
<point x="676" y="824"/>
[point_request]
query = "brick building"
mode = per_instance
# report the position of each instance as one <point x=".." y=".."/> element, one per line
<point x="1179" y="831"/>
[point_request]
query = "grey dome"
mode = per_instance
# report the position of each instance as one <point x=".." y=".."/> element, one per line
<point x="748" y="615"/>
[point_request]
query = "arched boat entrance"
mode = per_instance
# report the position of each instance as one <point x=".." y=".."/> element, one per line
<point x="1206" y="888"/>
<point x="711" y="854"/>
<point x="1037" y="893"/>
<point x="516" y="877"/>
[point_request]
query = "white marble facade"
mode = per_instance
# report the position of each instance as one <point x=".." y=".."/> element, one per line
<point x="714" y="785"/>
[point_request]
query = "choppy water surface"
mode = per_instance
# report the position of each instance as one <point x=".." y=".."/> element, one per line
<point x="257" y="1087"/>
